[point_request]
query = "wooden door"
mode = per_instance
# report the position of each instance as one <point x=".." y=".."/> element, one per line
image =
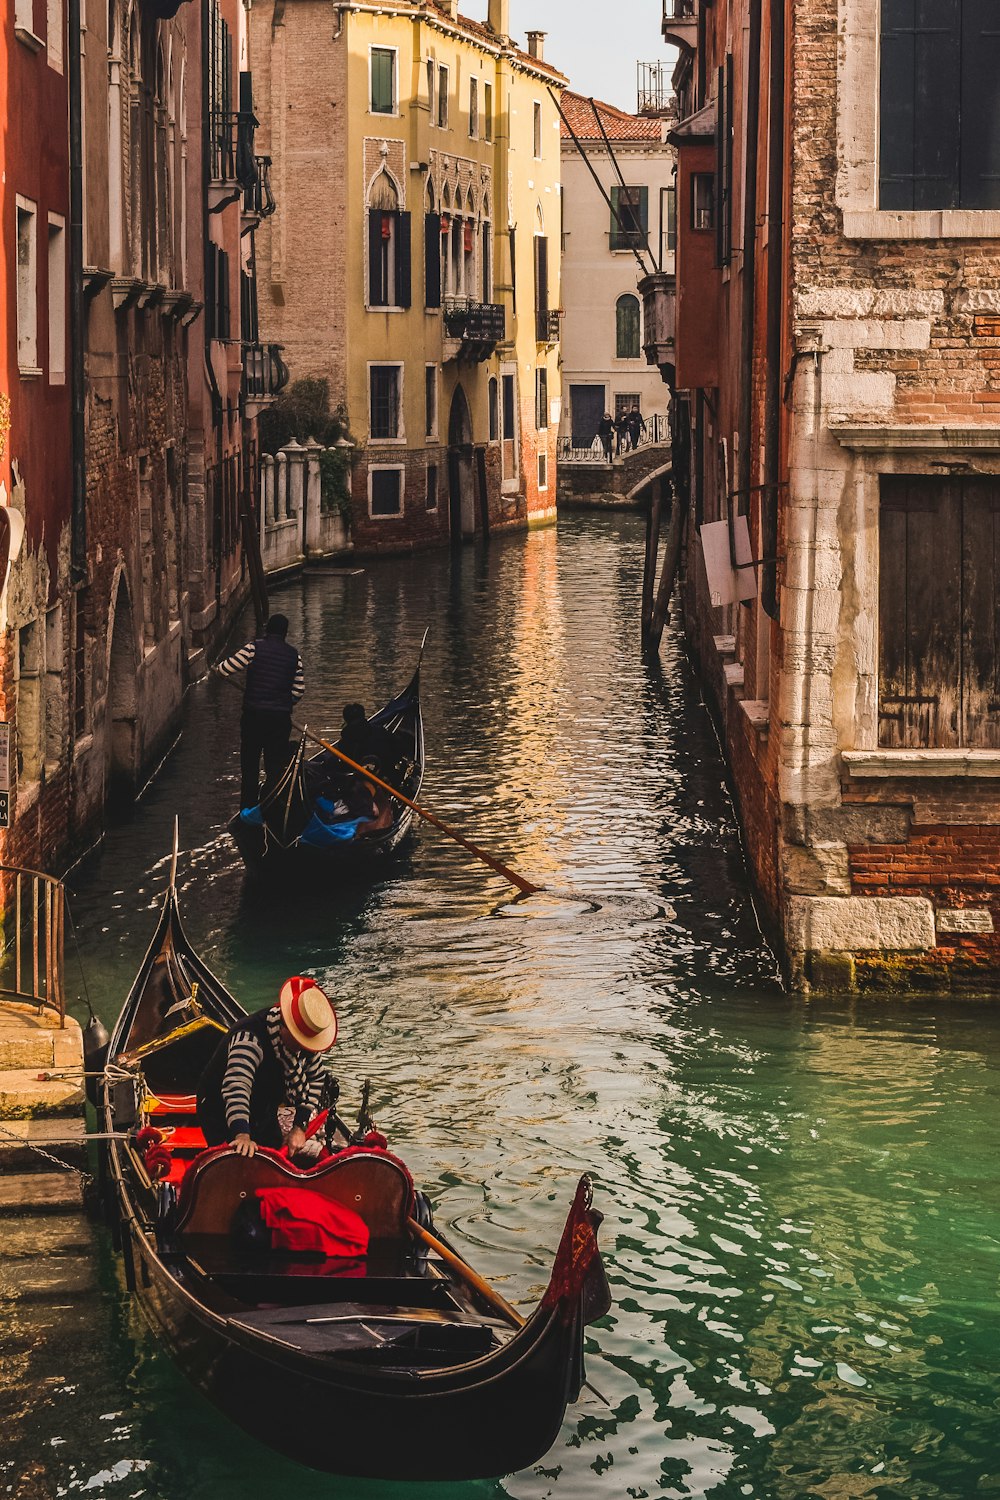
<point x="980" y="614"/>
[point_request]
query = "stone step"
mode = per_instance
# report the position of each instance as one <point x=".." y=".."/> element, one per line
<point x="64" y="1136"/>
<point x="69" y="1234"/>
<point x="24" y="1095"/>
<point x="27" y="1050"/>
<point x="47" y="1278"/>
<point x="23" y="1194"/>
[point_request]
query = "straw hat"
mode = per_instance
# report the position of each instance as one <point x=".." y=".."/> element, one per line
<point x="308" y="1014"/>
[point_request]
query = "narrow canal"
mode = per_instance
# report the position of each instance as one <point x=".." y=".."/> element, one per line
<point x="802" y="1209"/>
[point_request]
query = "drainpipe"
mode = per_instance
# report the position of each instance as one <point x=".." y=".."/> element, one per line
<point x="78" y="529"/>
<point x="775" y="305"/>
<point x="213" y="385"/>
<point x="747" y="298"/>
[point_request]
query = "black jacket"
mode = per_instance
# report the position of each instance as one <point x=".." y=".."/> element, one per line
<point x="271" y="675"/>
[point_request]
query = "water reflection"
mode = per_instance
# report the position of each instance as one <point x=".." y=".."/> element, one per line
<point x="803" y="1222"/>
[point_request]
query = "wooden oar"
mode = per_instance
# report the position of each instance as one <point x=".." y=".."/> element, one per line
<point x="495" y="864"/>
<point x="468" y="1275"/>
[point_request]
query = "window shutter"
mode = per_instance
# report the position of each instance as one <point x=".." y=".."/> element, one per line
<point x="980" y="104"/>
<point x="432" y="260"/>
<point x="211" y="281"/>
<point x="920" y="143"/>
<point x="376" y="291"/>
<point x="541" y="273"/>
<point x="403" y="256"/>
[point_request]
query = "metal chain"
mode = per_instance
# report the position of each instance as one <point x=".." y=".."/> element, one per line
<point x="86" y="1177"/>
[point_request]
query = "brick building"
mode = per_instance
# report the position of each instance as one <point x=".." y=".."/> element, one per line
<point x="35" y="427"/>
<point x="414" y="258"/>
<point x="837" y="351"/>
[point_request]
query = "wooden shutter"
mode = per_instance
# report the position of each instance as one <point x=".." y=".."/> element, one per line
<point x="980" y="614"/>
<point x="377" y="293"/>
<point x="432" y="260"/>
<point x="541" y="288"/>
<point x="919" y="104"/>
<point x="980" y="104"/>
<point x="403" y="258"/>
<point x="920" y="613"/>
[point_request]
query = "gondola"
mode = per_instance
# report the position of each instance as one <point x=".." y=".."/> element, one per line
<point x="397" y="1364"/>
<point x="304" y="823"/>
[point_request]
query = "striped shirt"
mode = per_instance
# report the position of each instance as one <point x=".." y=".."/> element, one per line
<point x="240" y="661"/>
<point x="304" y="1072"/>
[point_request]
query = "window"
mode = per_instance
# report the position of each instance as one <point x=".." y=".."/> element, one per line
<point x="432" y="486"/>
<point x="543" y="471"/>
<point x="541" y="398"/>
<point x="431" y="400"/>
<point x="537" y="131"/>
<point x="627" y="328"/>
<point x="385" y="492"/>
<point x="508" y="410"/>
<point x="474" y="108"/>
<point x="217" y="293"/>
<point x="625" y="402"/>
<point x="389" y="250"/>
<point x="442" y="97"/>
<point x="383" y="80"/>
<point x="494" y="403"/>
<point x="57" y="300"/>
<point x="670" y="216"/>
<point x="385" y="417"/>
<point x="629" y="218"/>
<point x="488" y="111"/>
<point x="487" y="258"/>
<point x="431" y="77"/>
<point x="432" y="260"/>
<point x="541" y="289"/>
<point x="939" y="601"/>
<point x="702" y="200"/>
<point x="939" y="85"/>
<point x="27" y="299"/>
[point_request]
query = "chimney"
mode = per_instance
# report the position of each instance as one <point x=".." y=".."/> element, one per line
<point x="498" y="18"/>
<point x="536" y="45"/>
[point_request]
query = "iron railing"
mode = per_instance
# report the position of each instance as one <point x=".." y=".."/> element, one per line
<point x="657" y="434"/>
<point x="548" y="322"/>
<point x="257" y="195"/>
<point x="479" y="326"/>
<point x="265" y="373"/>
<point x="231" y="152"/>
<point x="34" y="928"/>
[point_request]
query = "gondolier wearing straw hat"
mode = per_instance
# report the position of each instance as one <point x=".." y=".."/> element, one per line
<point x="271" y="1059"/>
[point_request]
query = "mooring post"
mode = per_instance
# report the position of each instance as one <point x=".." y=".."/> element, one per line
<point x="671" y="557"/>
<point x="649" y="569"/>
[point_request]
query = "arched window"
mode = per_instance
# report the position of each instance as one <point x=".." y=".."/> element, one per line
<point x="388" y="246"/>
<point x="627" y="327"/>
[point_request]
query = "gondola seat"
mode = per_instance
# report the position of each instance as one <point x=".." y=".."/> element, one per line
<point x="375" y="1185"/>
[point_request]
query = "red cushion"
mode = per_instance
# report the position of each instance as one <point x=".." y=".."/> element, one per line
<point x="300" y="1220"/>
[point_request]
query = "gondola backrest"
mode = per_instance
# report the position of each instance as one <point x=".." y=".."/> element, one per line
<point x="372" y="1183"/>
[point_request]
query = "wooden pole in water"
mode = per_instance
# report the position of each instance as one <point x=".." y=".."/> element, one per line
<point x="649" y="570"/>
<point x="671" y="557"/>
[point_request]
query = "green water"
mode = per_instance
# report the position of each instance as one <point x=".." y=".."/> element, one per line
<point x="802" y="1211"/>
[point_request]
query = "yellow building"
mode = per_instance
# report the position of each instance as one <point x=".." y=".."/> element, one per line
<point x="414" y="257"/>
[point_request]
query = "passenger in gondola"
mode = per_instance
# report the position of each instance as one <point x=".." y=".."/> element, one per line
<point x="368" y="744"/>
<point x="266" y="1061"/>
<point x="275" y="683"/>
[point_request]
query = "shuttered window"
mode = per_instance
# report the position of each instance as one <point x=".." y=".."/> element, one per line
<point x="389" y="254"/>
<point x="627" y="327"/>
<point x="939" y="145"/>
<point x="432" y="260"/>
<point x="939" y="613"/>
<point x="383" y="81"/>
<point x="384" y="415"/>
<point x="629" y="217"/>
<point x="541" y="288"/>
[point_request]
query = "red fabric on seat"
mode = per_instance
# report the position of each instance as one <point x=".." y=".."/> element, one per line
<point x="172" y="1104"/>
<point x="301" y="1220"/>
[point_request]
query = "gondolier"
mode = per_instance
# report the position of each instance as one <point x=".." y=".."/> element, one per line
<point x="275" y="683"/>
<point x="273" y="1058"/>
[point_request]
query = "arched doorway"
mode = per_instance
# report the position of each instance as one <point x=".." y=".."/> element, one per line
<point x="122" y="743"/>
<point x="461" y="471"/>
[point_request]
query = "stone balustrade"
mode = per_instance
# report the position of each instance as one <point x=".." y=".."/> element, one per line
<point x="294" y="525"/>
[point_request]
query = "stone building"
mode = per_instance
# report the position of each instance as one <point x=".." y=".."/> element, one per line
<point x="604" y="366"/>
<point x="414" y="259"/>
<point x="838" y="351"/>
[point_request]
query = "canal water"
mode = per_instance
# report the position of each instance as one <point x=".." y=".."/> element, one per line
<point x="802" y="1210"/>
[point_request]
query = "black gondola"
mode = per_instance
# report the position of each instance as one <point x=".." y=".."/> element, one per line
<point x="400" y="1364"/>
<point x="304" y="821"/>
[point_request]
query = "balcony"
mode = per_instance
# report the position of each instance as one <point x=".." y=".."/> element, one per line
<point x="659" y="317"/>
<point x="680" y="24"/>
<point x="472" y="329"/>
<point x="265" y="373"/>
<point x="232" y="163"/>
<point x="258" y="199"/>
<point x="548" y="322"/>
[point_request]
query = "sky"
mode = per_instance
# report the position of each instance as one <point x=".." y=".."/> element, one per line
<point x="597" y="45"/>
